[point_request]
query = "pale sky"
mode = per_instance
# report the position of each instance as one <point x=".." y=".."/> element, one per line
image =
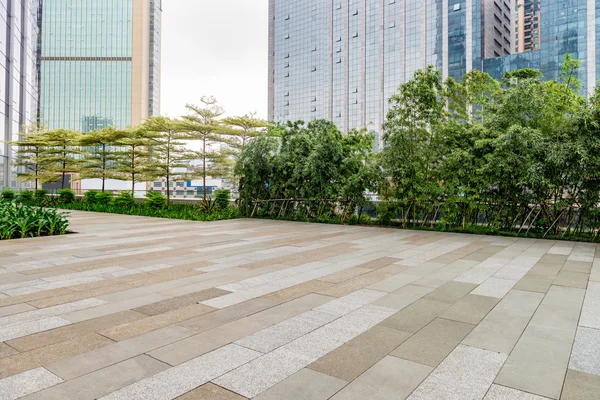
<point x="218" y="48"/>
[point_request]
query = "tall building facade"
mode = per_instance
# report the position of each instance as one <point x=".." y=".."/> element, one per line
<point x="343" y="59"/>
<point x="100" y="63"/>
<point x="527" y="32"/>
<point x="19" y="74"/>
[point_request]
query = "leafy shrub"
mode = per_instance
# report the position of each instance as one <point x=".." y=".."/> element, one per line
<point x="125" y="200"/>
<point x="222" y="198"/>
<point x="8" y="195"/>
<point x="66" y="196"/>
<point x="155" y="200"/>
<point x="21" y="221"/>
<point x="208" y="206"/>
<point x="90" y="196"/>
<point x="104" y="198"/>
<point x="386" y="212"/>
<point x="40" y="195"/>
<point x="26" y="197"/>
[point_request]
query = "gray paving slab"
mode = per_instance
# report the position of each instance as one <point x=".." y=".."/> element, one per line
<point x="498" y="392"/>
<point x="590" y="314"/>
<point x="383" y="382"/>
<point x="27" y="382"/>
<point x="585" y="356"/>
<point x="305" y="384"/>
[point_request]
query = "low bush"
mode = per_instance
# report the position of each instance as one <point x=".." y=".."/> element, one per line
<point x="21" y="221"/>
<point x="209" y="206"/>
<point x="8" y="194"/>
<point x="155" y="200"/>
<point x="26" y="197"/>
<point x="104" y="198"/>
<point x="124" y="200"/>
<point x="222" y="198"/>
<point x="65" y="196"/>
<point x="90" y="196"/>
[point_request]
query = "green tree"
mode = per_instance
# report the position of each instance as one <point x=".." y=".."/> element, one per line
<point x="168" y="150"/>
<point x="244" y="129"/>
<point x="30" y="159"/>
<point x="103" y="155"/>
<point x="63" y="154"/>
<point x="133" y="160"/>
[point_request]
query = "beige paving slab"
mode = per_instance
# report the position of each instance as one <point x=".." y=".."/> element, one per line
<point x="381" y="382"/>
<point x="210" y="391"/>
<point x="434" y="342"/>
<point x="102" y="357"/>
<point x="305" y="384"/>
<point x="572" y="279"/>
<point x="580" y="386"/>
<point x="451" y="292"/>
<point x="6" y="350"/>
<point x="403" y="297"/>
<point x="350" y="360"/>
<point x="343" y="276"/>
<point x="471" y="309"/>
<point x="415" y="316"/>
<point x="103" y="381"/>
<point x="15" y="309"/>
<point x="181" y="301"/>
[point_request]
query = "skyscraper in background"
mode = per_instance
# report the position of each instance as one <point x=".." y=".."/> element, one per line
<point x="343" y="59"/>
<point x="19" y="73"/>
<point x="100" y="63"/>
<point x="527" y="33"/>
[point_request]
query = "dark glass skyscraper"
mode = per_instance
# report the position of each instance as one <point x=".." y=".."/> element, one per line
<point x="342" y="59"/>
<point x="19" y="73"/>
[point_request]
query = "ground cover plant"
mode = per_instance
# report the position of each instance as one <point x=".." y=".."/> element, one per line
<point x="23" y="221"/>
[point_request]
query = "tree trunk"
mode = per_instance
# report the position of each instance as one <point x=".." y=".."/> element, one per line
<point x="204" y="166"/>
<point x="133" y="172"/>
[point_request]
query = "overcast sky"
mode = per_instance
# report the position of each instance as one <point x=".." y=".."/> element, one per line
<point x="215" y="47"/>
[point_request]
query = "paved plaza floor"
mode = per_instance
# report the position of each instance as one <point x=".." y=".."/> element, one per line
<point x="143" y="308"/>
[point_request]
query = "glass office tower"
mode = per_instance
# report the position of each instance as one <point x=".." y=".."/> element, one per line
<point x="100" y="63"/>
<point x="19" y="73"/>
<point x="342" y="59"/>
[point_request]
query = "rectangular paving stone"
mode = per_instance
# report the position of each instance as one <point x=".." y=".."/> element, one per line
<point x="580" y="386"/>
<point x="381" y="382"/>
<point x="73" y="331"/>
<point x="6" y="350"/>
<point x="471" y="309"/>
<point x="305" y="384"/>
<point x="577" y="266"/>
<point x="465" y="364"/>
<point x="43" y="356"/>
<point x="210" y="391"/>
<point x="350" y="360"/>
<point x="343" y="276"/>
<point x="294" y="292"/>
<point x="28" y="328"/>
<point x="434" y="342"/>
<point x="403" y="297"/>
<point x="500" y="330"/>
<point x="535" y="283"/>
<point x="15" y="309"/>
<point x="451" y="292"/>
<point x="353" y="324"/>
<point x="155" y="322"/>
<point x="539" y="361"/>
<point x="590" y="314"/>
<point x="26" y="383"/>
<point x="101" y="382"/>
<point x="394" y="283"/>
<point x="495" y="287"/>
<point x="94" y="360"/>
<point x="181" y="301"/>
<point x="351" y="302"/>
<point x="572" y="279"/>
<point x="498" y="392"/>
<point x="585" y="356"/>
<point x="181" y="379"/>
<point x="38" y="314"/>
<point x="415" y="316"/>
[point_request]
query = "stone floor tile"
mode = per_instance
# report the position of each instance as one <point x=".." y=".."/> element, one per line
<point x="42" y="313"/>
<point x="351" y="302"/>
<point x="451" y="292"/>
<point x="590" y="314"/>
<point x="15" y="309"/>
<point x="179" y="380"/>
<point x="353" y="324"/>
<point x="46" y="355"/>
<point x="495" y="287"/>
<point x="415" y="316"/>
<point x="343" y="276"/>
<point x="572" y="279"/>
<point x="379" y="263"/>
<point x="383" y="382"/>
<point x="102" y="357"/>
<point x="277" y="335"/>
<point x="294" y="292"/>
<point x="467" y="373"/>
<point x="6" y="350"/>
<point x="73" y="331"/>
<point x="350" y="360"/>
<point x="535" y="283"/>
<point x="28" y="328"/>
<point x="305" y="384"/>
<point x="580" y="386"/>
<point x="471" y="309"/>
<point x="577" y="266"/>
<point x="80" y="295"/>
<point x="393" y="283"/>
<point x="585" y="356"/>
<point x="498" y="392"/>
<point x="500" y="330"/>
<point x="434" y="342"/>
<point x="210" y="391"/>
<point x="403" y="297"/>
<point x="148" y="324"/>
<point x="26" y="383"/>
<point x="103" y="381"/>
<point x="181" y="301"/>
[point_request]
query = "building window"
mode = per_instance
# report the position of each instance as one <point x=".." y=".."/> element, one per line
<point x="457" y="7"/>
<point x="287" y="36"/>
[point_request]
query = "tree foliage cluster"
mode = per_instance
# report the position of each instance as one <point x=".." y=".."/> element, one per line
<point x="520" y="154"/>
<point x="158" y="148"/>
